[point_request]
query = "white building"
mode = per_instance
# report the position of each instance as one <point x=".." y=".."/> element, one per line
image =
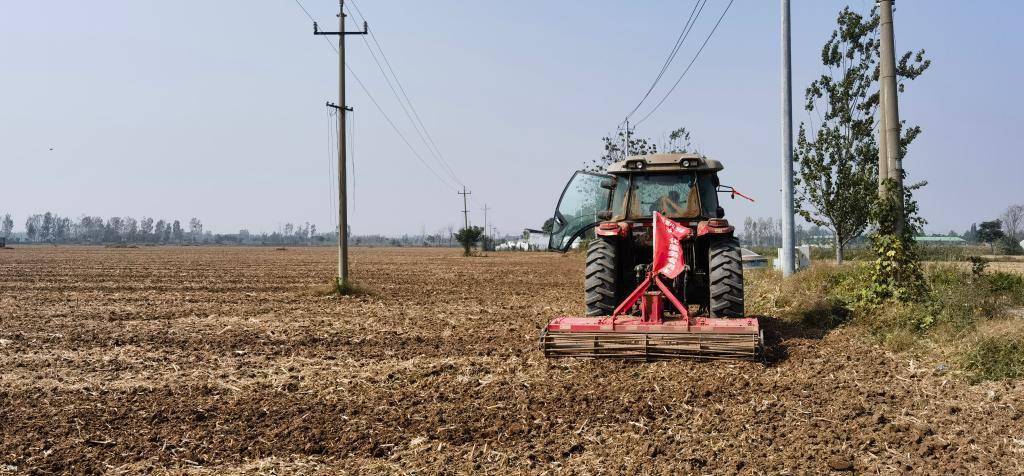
<point x="536" y="240"/>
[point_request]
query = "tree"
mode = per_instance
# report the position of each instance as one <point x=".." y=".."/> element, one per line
<point x="131" y="228"/>
<point x="467" y="237"/>
<point x="6" y="226"/>
<point x="548" y="225"/>
<point x="46" y="230"/>
<point x="1009" y="246"/>
<point x="30" y="227"/>
<point x="678" y="142"/>
<point x="1013" y="222"/>
<point x="177" y="232"/>
<point x="971" y="236"/>
<point x="61" y="229"/>
<point x="158" y="231"/>
<point x="990" y="232"/>
<point x="146" y="229"/>
<point x="195" y="229"/>
<point x="837" y="183"/>
<point x="115" y="229"/>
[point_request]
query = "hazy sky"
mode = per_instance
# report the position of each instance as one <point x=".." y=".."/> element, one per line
<point x="214" y="109"/>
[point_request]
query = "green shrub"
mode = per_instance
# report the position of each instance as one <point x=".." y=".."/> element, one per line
<point x="1007" y="285"/>
<point x="1009" y="246"/>
<point x="818" y="297"/>
<point x="996" y="358"/>
<point x="943" y="252"/>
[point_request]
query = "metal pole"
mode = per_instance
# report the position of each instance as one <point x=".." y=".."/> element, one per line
<point x="342" y="203"/>
<point x="887" y="82"/>
<point x="465" y="206"/>
<point x="788" y="250"/>
<point x="485" y="218"/>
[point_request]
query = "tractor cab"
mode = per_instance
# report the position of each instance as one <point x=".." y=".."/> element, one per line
<point x="682" y="187"/>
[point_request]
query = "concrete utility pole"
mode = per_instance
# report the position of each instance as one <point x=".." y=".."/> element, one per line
<point x="342" y="182"/>
<point x="465" y="207"/>
<point x="883" y="157"/>
<point x="890" y="106"/>
<point x="788" y="245"/>
<point x="486" y="208"/>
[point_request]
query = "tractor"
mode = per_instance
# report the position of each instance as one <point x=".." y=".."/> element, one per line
<point x="634" y="310"/>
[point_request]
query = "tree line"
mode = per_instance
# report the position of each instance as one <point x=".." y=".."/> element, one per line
<point x="768" y="232"/>
<point x="50" y="227"/>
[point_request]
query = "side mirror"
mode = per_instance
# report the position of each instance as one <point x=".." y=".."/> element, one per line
<point x="604" y="215"/>
<point x="608" y="183"/>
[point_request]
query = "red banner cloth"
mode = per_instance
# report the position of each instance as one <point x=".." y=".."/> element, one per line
<point x="668" y="253"/>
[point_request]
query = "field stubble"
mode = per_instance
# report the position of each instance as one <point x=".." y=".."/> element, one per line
<point x="229" y="359"/>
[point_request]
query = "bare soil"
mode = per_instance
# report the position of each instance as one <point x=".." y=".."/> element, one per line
<point x="227" y="360"/>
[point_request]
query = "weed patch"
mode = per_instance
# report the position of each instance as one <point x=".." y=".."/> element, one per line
<point x="996" y="358"/>
<point x="349" y="288"/>
<point x="947" y="319"/>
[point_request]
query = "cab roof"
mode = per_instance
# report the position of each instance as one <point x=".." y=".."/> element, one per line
<point x="665" y="163"/>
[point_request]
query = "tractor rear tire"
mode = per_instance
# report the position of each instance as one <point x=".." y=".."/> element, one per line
<point x="599" y="284"/>
<point x="725" y="262"/>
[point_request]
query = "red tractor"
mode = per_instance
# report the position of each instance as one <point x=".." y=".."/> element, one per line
<point x="635" y="311"/>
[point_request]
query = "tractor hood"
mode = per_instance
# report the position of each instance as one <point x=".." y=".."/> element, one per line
<point x="665" y="163"/>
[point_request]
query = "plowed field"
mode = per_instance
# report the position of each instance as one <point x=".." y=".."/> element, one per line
<point x="227" y="360"/>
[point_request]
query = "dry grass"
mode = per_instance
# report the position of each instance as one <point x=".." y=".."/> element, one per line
<point x="969" y="319"/>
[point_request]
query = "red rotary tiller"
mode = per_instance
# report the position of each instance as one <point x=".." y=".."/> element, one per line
<point x="663" y="328"/>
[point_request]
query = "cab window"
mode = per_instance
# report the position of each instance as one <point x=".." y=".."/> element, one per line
<point x="673" y="195"/>
<point x="708" y="195"/>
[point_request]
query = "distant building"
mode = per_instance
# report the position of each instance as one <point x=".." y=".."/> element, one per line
<point x="801" y="257"/>
<point x="940" y="240"/>
<point x="752" y="260"/>
<point x="536" y="240"/>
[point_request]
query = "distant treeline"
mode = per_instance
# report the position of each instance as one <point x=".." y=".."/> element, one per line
<point x="52" y="228"/>
<point x="768" y="232"/>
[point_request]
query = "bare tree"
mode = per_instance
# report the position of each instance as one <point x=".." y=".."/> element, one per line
<point x="131" y="228"/>
<point x="1013" y="221"/>
<point x="146" y="228"/>
<point x="7" y="226"/>
<point x="177" y="232"/>
<point x="195" y="229"/>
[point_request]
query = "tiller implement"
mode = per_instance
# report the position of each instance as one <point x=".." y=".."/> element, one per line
<point x="677" y="266"/>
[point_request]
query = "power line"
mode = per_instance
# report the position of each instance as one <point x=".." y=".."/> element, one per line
<point x="425" y="136"/>
<point x="379" y="108"/>
<point x="331" y="158"/>
<point x="687" y="70"/>
<point x="352" y="152"/>
<point x="683" y="34"/>
<point x="397" y="131"/>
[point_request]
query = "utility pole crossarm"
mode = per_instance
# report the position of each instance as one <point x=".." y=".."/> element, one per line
<point x="316" y="31"/>
<point x="337" y="107"/>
